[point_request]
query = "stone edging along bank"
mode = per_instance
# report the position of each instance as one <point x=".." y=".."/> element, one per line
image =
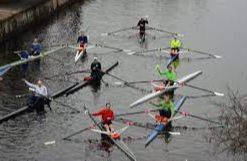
<point x="29" y="16"/>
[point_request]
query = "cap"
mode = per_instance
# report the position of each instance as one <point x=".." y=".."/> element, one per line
<point x="108" y="104"/>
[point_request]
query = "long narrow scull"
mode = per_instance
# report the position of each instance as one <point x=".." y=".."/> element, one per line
<point x="19" y="62"/>
<point x="83" y="84"/>
<point x="119" y="143"/>
<point x="161" y="127"/>
<point x="25" y="108"/>
<point x="150" y="96"/>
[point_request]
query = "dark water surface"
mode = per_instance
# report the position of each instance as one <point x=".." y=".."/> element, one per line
<point x="217" y="26"/>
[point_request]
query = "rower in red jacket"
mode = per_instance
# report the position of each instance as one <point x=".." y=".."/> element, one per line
<point x="107" y="115"/>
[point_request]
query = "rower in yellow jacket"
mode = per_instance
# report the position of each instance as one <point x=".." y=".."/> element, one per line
<point x="175" y="45"/>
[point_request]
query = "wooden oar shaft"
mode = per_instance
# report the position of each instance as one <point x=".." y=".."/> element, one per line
<point x="201" y="118"/>
<point x="145" y="81"/>
<point x="120" y="30"/>
<point x="78" y="132"/>
<point x="134" y="113"/>
<point x="205" y="90"/>
<point x="199" y="88"/>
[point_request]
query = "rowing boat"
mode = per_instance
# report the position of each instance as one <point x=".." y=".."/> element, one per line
<point x="32" y="58"/>
<point x="81" y="54"/>
<point x="26" y="108"/>
<point x="119" y="143"/>
<point x="176" y="85"/>
<point x="161" y="127"/>
<point x="83" y="84"/>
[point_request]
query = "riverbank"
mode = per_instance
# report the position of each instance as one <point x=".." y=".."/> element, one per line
<point x="18" y="16"/>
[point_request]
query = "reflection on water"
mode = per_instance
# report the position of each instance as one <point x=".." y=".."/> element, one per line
<point x="206" y="27"/>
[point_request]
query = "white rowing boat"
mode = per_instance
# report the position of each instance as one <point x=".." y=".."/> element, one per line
<point x="180" y="81"/>
<point x="6" y="67"/>
<point x="80" y="54"/>
<point x="119" y="143"/>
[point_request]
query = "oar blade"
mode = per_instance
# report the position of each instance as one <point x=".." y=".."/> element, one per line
<point x="131" y="52"/>
<point x="219" y="94"/>
<point x="119" y="83"/>
<point x="217" y="56"/>
<point x="50" y="142"/>
<point x="174" y="133"/>
<point x="4" y="70"/>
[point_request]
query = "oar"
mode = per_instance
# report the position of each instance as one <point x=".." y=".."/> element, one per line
<point x="139" y="82"/>
<point x="68" y="73"/>
<point x="69" y="136"/>
<point x="4" y="70"/>
<point x="126" y="83"/>
<point x="120" y="30"/>
<point x="203" y="53"/>
<point x="200" y="118"/>
<point x="135" y="113"/>
<point x="65" y="105"/>
<point x="131" y="52"/>
<point x="114" y="48"/>
<point x="205" y="90"/>
<point x="80" y="131"/>
<point x="165" y="31"/>
<point x="147" y="51"/>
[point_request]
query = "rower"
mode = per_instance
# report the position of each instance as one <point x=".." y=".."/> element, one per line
<point x="142" y="23"/>
<point x="82" y="41"/>
<point x="35" y="49"/>
<point x="40" y="97"/>
<point x="166" y="112"/>
<point x="107" y="115"/>
<point x="96" y="72"/>
<point x="175" y="45"/>
<point x="24" y="55"/>
<point x="171" y="77"/>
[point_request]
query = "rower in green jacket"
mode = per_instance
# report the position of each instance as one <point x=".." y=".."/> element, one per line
<point x="167" y="109"/>
<point x="170" y="74"/>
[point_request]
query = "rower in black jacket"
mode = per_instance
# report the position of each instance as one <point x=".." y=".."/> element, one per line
<point x="96" y="72"/>
<point x="142" y="23"/>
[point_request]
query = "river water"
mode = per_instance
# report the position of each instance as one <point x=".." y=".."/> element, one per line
<point x="217" y="26"/>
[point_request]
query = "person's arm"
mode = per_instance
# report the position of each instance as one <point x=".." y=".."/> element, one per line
<point x="45" y="92"/>
<point x="98" y="113"/>
<point x="38" y="48"/>
<point x="159" y="71"/>
<point x="180" y="44"/>
<point x="156" y="104"/>
<point x="30" y="84"/>
<point x="86" y="40"/>
<point x="99" y="66"/>
<point x="78" y="39"/>
<point x="138" y="24"/>
<point x="172" y="112"/>
<point x="113" y="117"/>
